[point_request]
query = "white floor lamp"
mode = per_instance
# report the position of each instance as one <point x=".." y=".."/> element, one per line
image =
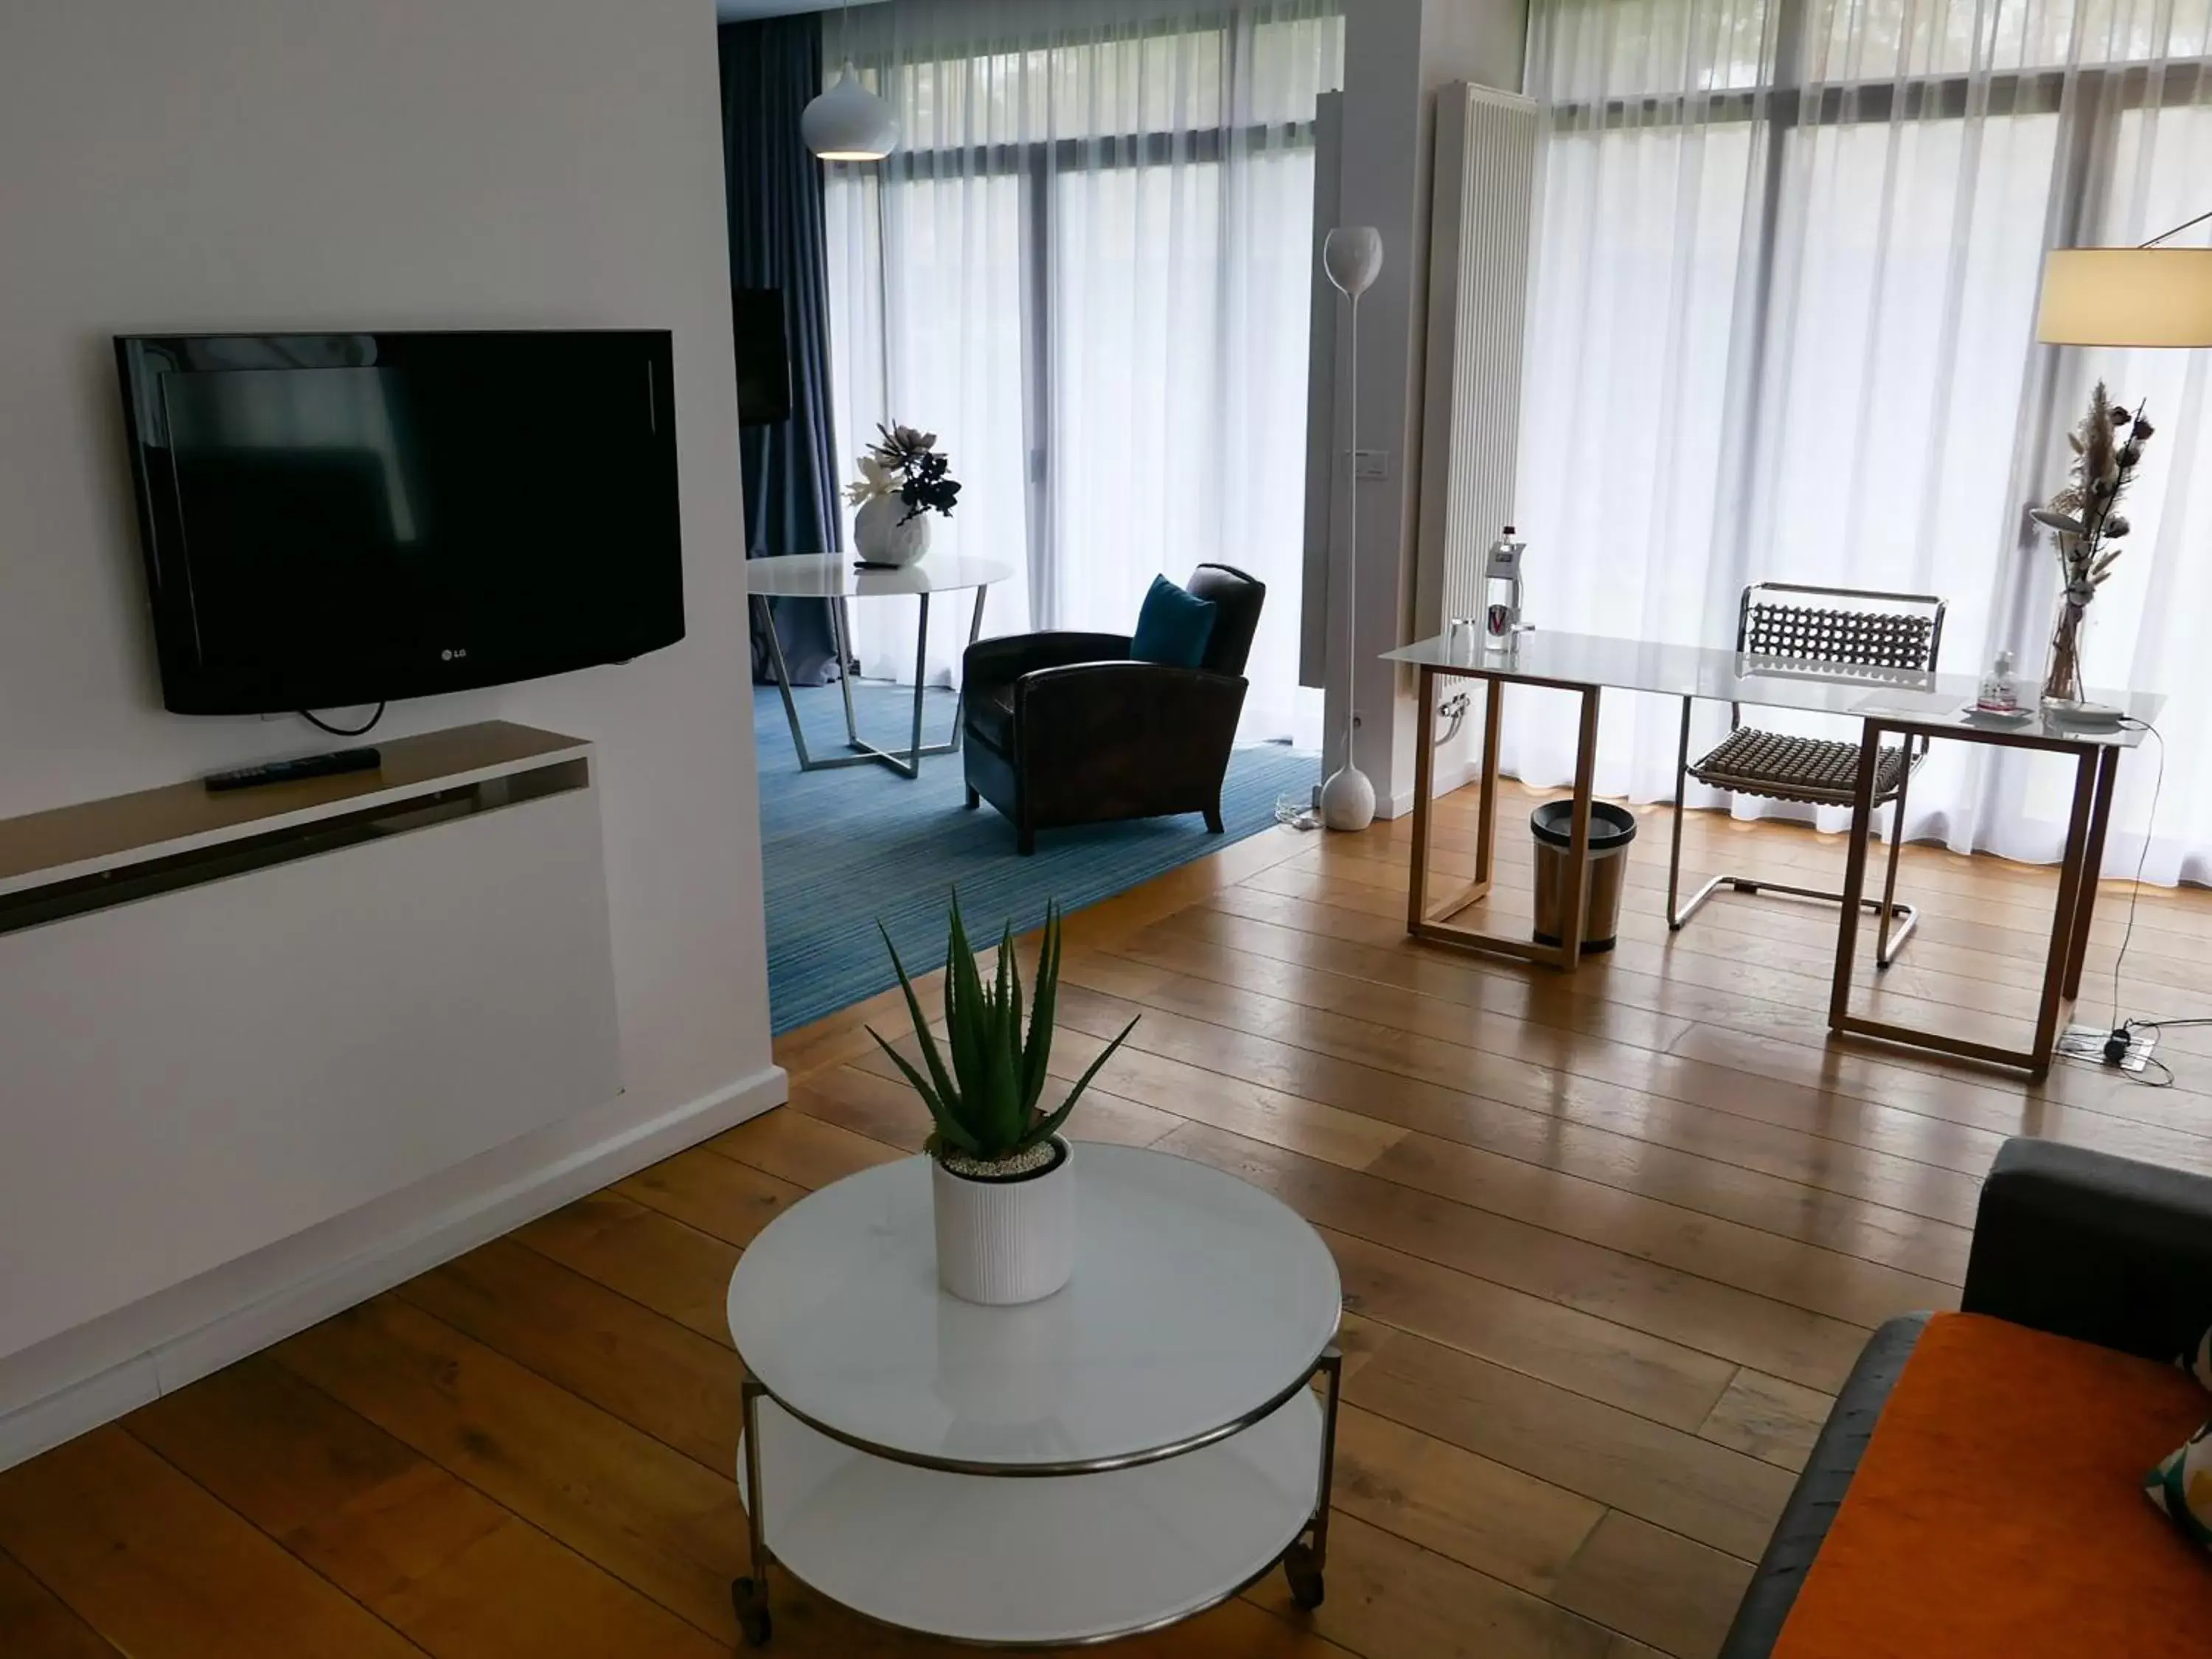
<point x="1353" y="255"/>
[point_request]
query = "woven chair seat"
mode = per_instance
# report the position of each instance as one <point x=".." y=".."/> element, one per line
<point x="1819" y="770"/>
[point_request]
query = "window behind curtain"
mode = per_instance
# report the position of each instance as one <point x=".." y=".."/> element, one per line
<point x="1088" y="269"/>
<point x="1782" y="327"/>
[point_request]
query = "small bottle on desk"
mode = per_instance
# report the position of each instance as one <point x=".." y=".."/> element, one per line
<point x="2000" y="692"/>
<point x="1501" y="591"/>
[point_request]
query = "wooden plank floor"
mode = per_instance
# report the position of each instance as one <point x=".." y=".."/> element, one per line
<point x="1608" y="1244"/>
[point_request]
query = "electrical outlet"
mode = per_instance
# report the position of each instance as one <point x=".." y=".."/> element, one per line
<point x="1370" y="464"/>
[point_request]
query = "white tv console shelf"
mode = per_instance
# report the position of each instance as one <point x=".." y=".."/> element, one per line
<point x="227" y="1019"/>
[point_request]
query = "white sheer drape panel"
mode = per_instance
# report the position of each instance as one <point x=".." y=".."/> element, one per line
<point x="1783" y="321"/>
<point x="1086" y="269"/>
<point x="941" y="348"/>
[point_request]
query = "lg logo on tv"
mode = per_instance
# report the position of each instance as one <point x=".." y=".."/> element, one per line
<point x="454" y="654"/>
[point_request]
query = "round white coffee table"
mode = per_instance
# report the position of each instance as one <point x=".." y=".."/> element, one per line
<point x="836" y="577"/>
<point x="1121" y="1455"/>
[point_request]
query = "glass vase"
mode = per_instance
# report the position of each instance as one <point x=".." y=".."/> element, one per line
<point x="2062" y="671"/>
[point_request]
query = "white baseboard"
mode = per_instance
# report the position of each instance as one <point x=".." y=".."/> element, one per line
<point x="1449" y="776"/>
<point x="85" y="1377"/>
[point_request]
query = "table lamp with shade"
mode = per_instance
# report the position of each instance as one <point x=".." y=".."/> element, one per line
<point x="2124" y="297"/>
<point x="2127" y="296"/>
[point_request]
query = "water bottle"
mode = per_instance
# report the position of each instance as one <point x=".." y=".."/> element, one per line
<point x="1501" y="591"/>
<point x="2000" y="690"/>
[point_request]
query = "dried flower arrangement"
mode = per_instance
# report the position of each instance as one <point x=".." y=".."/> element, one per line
<point x="2083" y="519"/>
<point x="906" y="462"/>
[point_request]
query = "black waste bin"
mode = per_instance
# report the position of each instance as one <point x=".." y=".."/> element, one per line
<point x="1611" y="829"/>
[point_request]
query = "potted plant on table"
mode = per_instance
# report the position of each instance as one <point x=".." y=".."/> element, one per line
<point x="2086" y="528"/>
<point x="1002" y="1179"/>
<point x="904" y="477"/>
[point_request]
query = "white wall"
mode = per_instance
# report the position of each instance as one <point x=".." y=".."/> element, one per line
<point x="1396" y="54"/>
<point x="307" y="164"/>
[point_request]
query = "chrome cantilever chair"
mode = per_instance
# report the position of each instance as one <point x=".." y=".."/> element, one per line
<point x="1856" y="631"/>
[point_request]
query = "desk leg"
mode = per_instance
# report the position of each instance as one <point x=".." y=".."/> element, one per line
<point x="2070" y="921"/>
<point x="1424" y="749"/>
<point x="2072" y="876"/>
<point x="2093" y="864"/>
<point x="1574" y="878"/>
<point x="1855" y="863"/>
<point x="1432" y="918"/>
<point x="1486" y="831"/>
<point x="1472" y="892"/>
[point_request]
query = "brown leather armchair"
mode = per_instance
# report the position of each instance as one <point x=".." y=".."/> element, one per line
<point x="1063" y="729"/>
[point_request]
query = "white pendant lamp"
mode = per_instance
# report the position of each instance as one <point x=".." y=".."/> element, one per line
<point x="848" y="123"/>
<point x="1353" y="257"/>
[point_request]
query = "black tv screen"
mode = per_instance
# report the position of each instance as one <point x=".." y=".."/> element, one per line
<point x="334" y="519"/>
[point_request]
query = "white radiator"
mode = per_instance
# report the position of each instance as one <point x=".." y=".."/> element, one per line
<point x="1479" y="232"/>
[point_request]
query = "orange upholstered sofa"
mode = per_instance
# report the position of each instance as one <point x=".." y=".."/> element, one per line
<point x="1979" y="1489"/>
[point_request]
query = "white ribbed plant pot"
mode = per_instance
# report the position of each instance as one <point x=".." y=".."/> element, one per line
<point x="1006" y="1242"/>
<point x="880" y="537"/>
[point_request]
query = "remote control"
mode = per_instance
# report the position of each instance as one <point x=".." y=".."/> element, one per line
<point x="291" y="771"/>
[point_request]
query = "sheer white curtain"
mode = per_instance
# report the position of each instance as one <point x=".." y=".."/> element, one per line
<point x="1783" y="326"/>
<point x="1086" y="269"/>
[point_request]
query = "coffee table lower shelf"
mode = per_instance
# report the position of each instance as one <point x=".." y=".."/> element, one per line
<point x="1024" y="1560"/>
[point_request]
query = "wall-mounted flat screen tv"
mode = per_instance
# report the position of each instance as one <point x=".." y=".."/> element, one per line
<point x="336" y="519"/>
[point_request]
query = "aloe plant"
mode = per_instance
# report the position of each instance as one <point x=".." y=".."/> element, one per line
<point x="985" y="1098"/>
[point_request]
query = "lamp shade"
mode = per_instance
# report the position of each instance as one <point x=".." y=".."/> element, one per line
<point x="2127" y="296"/>
<point x="1353" y="257"/>
<point x="848" y="123"/>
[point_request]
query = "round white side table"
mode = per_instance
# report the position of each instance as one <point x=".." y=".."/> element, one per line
<point x="1119" y="1456"/>
<point x="836" y="578"/>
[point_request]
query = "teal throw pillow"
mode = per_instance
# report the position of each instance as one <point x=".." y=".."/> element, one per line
<point x="1173" y="627"/>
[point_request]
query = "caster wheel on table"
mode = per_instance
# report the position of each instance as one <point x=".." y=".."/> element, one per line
<point x="1307" y="1588"/>
<point x="753" y="1623"/>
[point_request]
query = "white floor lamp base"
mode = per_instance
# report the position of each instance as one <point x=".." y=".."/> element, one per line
<point x="1347" y="799"/>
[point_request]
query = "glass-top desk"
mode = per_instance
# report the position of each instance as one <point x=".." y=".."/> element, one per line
<point x="1885" y="701"/>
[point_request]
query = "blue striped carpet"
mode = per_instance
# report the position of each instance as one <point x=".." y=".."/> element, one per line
<point x="841" y="848"/>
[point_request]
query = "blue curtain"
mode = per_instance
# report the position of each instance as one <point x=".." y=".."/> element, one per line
<point x="771" y="69"/>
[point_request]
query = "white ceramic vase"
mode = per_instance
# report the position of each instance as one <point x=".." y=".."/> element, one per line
<point x="1347" y="799"/>
<point x="880" y="537"/>
<point x="1006" y="1242"/>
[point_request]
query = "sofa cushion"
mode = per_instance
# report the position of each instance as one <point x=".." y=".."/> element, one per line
<point x="1998" y="1509"/>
